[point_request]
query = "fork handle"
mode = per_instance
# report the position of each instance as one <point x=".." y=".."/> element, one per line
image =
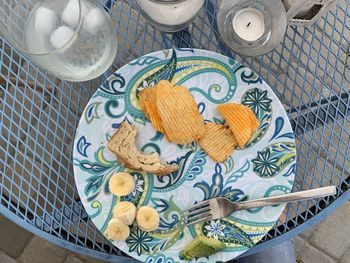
<point x="292" y="197"/>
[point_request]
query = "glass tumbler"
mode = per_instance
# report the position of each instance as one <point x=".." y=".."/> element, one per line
<point x="170" y="15"/>
<point x="72" y="39"/>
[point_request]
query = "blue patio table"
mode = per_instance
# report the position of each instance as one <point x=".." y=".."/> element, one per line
<point x="309" y="72"/>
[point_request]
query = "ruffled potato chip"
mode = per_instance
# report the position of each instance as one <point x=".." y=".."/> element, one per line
<point x="144" y="96"/>
<point x="218" y="142"/>
<point x="255" y="122"/>
<point x="182" y="122"/>
<point x="147" y="100"/>
<point x="241" y="120"/>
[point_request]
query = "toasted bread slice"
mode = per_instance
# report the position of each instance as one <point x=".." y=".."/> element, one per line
<point x="218" y="142"/>
<point x="241" y="120"/>
<point x="122" y="143"/>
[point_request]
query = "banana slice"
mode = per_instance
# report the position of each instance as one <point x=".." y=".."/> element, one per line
<point x="147" y="218"/>
<point x="121" y="184"/>
<point x="125" y="211"/>
<point x="117" y="230"/>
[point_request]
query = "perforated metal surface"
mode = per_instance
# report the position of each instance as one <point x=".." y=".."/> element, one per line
<point x="309" y="72"/>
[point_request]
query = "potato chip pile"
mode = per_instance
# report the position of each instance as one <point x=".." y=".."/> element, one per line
<point x="173" y="111"/>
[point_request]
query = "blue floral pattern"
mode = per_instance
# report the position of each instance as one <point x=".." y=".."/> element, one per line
<point x="82" y="146"/>
<point x="257" y="100"/>
<point x="265" y="167"/>
<point x="138" y="241"/>
<point x="138" y="186"/>
<point x="274" y="159"/>
<point x="265" y="164"/>
<point x="215" y="229"/>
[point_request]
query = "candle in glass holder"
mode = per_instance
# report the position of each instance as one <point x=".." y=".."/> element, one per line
<point x="249" y="24"/>
<point x="170" y="15"/>
<point x="251" y="27"/>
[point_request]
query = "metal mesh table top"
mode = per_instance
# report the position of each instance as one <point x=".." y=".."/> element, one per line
<point x="309" y="71"/>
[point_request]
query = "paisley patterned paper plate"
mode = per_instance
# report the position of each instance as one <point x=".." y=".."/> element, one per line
<point x="265" y="168"/>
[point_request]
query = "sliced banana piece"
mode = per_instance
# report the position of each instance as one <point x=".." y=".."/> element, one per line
<point x="117" y="230"/>
<point x="125" y="211"/>
<point x="147" y="218"/>
<point x="121" y="184"/>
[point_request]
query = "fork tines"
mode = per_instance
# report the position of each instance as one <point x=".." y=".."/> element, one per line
<point x="198" y="213"/>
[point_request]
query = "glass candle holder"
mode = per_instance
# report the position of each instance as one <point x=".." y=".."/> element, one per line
<point x="170" y="15"/>
<point x="72" y="39"/>
<point x="252" y="28"/>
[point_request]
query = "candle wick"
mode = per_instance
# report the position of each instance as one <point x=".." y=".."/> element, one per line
<point x="249" y="24"/>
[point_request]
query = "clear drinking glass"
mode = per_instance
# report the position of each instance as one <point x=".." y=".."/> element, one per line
<point x="72" y="39"/>
<point x="170" y="15"/>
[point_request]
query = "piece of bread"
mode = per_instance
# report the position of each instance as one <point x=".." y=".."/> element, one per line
<point x="122" y="143"/>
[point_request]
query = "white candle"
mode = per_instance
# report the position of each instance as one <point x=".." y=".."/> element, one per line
<point x="171" y="14"/>
<point x="249" y="24"/>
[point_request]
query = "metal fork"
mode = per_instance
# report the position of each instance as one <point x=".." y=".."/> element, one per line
<point x="220" y="207"/>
